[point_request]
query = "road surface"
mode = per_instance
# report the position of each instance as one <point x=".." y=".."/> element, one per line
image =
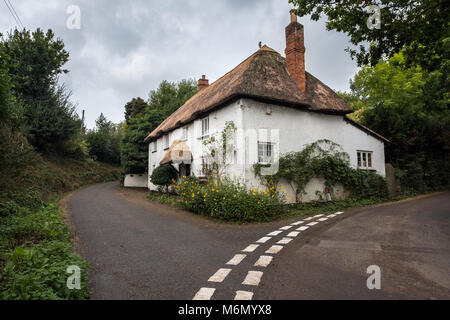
<point x="142" y="250"/>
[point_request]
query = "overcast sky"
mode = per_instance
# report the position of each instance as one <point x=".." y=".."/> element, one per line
<point x="124" y="49"/>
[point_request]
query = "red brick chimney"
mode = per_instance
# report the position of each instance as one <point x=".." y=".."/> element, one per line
<point x="203" y="83"/>
<point x="295" y="52"/>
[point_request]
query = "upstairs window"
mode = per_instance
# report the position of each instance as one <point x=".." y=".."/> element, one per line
<point x="154" y="146"/>
<point x="364" y="159"/>
<point x="184" y="133"/>
<point x="166" y="142"/>
<point x="205" y="127"/>
<point x="265" y="152"/>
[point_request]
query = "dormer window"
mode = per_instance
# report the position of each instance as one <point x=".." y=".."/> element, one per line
<point x="184" y="133"/>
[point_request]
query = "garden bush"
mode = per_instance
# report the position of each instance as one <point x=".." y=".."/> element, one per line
<point x="164" y="175"/>
<point x="230" y="201"/>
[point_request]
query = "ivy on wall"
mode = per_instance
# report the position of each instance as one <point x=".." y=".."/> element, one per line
<point x="325" y="159"/>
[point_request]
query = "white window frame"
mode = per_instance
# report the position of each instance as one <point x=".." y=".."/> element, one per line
<point x="184" y="133"/>
<point x="154" y="146"/>
<point x="166" y="142"/>
<point x="204" y="127"/>
<point x="364" y="159"/>
<point x="265" y="152"/>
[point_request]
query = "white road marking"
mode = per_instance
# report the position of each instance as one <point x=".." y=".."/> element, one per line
<point x="220" y="275"/>
<point x="302" y="228"/>
<point x="307" y="219"/>
<point x="285" y="227"/>
<point x="236" y="259"/>
<point x="331" y="215"/>
<point x="251" y="248"/>
<point x="263" y="261"/>
<point x="340" y="212"/>
<point x="293" y="234"/>
<point x="275" y="233"/>
<point x="312" y="224"/>
<point x="317" y="215"/>
<point x="243" y="295"/>
<point x="263" y="239"/>
<point x="274" y="249"/>
<point x="204" y="294"/>
<point x="284" y="241"/>
<point x="322" y="219"/>
<point x="253" y="278"/>
<point x="297" y="223"/>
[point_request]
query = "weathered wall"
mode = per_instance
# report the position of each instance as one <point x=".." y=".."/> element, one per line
<point x="136" y="180"/>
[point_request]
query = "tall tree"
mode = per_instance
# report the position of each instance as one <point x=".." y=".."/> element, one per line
<point x="134" y="107"/>
<point x="420" y="25"/>
<point x="35" y="61"/>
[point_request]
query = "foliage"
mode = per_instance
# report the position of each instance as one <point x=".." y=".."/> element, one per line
<point x="164" y="198"/>
<point x="134" y="107"/>
<point x="420" y="26"/>
<point x="409" y="107"/>
<point x="219" y="150"/>
<point x="143" y="119"/>
<point x="325" y="159"/>
<point x="104" y="141"/>
<point x="164" y="175"/>
<point x="229" y="201"/>
<point x="36" y="249"/>
<point x="34" y="61"/>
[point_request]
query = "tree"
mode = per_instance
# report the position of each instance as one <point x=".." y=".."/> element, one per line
<point x="134" y="107"/>
<point x="397" y="101"/>
<point x="142" y="120"/>
<point x="104" y="141"/>
<point x="420" y="26"/>
<point x="35" y="60"/>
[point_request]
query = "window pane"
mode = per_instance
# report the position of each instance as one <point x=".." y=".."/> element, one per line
<point x="364" y="159"/>
<point x="359" y="159"/>
<point x="369" y="160"/>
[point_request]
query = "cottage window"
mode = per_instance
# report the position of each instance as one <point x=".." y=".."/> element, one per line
<point x="166" y="142"/>
<point x="154" y="146"/>
<point x="184" y="133"/>
<point x="205" y="127"/>
<point x="265" y="152"/>
<point x="206" y="165"/>
<point x="364" y="159"/>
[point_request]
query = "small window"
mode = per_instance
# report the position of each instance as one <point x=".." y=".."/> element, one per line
<point x="154" y="149"/>
<point x="206" y="165"/>
<point x="205" y="127"/>
<point x="265" y="152"/>
<point x="364" y="159"/>
<point x="184" y="133"/>
<point x="166" y="142"/>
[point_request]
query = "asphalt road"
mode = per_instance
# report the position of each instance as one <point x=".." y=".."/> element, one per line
<point x="142" y="250"/>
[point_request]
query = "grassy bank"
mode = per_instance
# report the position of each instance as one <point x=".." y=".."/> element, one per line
<point x="35" y="247"/>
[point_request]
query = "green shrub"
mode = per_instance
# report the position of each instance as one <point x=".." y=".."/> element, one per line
<point x="164" y="175"/>
<point x="39" y="272"/>
<point x="230" y="201"/>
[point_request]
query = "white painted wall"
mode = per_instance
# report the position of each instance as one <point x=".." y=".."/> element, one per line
<point x="296" y="128"/>
<point x="136" y="180"/>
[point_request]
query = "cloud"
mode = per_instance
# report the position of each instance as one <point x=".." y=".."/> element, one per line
<point x="124" y="49"/>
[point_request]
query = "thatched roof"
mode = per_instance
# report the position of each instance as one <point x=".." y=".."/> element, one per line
<point x="262" y="76"/>
<point x="178" y="152"/>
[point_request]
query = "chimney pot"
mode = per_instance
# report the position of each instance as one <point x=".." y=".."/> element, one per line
<point x="202" y="83"/>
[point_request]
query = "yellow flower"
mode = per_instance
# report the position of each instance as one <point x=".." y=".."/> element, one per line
<point x="234" y="196"/>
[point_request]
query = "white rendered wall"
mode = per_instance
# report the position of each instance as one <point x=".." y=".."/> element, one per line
<point x="136" y="180"/>
<point x="298" y="128"/>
